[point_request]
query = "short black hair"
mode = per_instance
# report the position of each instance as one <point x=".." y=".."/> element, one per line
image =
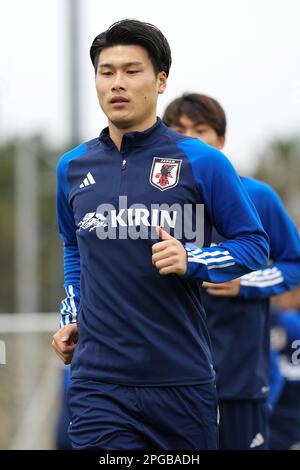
<point x="134" y="32"/>
<point x="201" y="109"/>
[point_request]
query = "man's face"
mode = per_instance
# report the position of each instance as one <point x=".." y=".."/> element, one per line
<point x="201" y="131"/>
<point x="127" y="85"/>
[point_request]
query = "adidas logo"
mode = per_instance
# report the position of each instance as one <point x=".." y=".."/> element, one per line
<point x="257" y="441"/>
<point x="88" y="180"/>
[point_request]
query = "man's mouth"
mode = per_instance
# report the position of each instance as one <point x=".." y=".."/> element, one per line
<point x="119" y="99"/>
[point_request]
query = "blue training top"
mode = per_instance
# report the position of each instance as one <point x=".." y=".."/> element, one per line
<point x="239" y="327"/>
<point x="137" y="327"/>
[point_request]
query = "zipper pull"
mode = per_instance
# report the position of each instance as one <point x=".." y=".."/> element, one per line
<point x="123" y="164"/>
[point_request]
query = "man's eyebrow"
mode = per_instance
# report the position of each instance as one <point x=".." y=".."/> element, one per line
<point x="127" y="64"/>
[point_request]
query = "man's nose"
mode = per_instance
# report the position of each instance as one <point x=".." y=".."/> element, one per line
<point x="118" y="83"/>
<point x="189" y="133"/>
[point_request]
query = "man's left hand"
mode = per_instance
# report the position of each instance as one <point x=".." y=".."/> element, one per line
<point x="225" y="289"/>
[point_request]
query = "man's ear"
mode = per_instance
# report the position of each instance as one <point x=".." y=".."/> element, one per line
<point x="222" y="140"/>
<point x="162" y="82"/>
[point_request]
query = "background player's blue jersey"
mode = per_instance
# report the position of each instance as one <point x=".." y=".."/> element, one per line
<point x="288" y="323"/>
<point x="137" y="327"/>
<point x="285" y="418"/>
<point x="240" y="326"/>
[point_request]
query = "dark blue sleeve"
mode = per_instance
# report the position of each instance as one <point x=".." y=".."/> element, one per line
<point x="67" y="229"/>
<point x="284" y="271"/>
<point x="232" y="213"/>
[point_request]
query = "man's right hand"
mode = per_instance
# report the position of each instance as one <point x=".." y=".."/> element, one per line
<point x="64" y="342"/>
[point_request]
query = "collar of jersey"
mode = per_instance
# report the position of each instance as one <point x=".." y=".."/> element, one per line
<point x="133" y="139"/>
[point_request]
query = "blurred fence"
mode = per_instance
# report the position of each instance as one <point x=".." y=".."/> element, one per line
<point x="31" y="378"/>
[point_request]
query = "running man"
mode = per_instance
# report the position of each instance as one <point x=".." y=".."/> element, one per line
<point x="135" y="208"/>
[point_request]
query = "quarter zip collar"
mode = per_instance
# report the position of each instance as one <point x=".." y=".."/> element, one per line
<point x="133" y="139"/>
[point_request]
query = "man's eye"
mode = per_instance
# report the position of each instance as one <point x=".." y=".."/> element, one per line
<point x="132" y="71"/>
<point x="106" y="73"/>
<point x="200" y="131"/>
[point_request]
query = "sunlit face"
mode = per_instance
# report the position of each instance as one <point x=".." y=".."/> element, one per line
<point x="201" y="131"/>
<point x="127" y="85"/>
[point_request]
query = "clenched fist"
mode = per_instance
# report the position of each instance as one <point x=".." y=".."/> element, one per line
<point x="64" y="342"/>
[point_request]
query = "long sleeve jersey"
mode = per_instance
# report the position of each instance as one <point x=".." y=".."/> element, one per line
<point x="137" y="327"/>
<point x="239" y="327"/>
<point x="284" y="271"/>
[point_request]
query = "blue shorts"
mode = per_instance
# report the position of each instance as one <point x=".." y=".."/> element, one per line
<point x="285" y="431"/>
<point x="244" y="425"/>
<point x="116" y="417"/>
<point x="62" y="441"/>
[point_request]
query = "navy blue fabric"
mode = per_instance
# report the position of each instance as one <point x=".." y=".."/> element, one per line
<point x="284" y="433"/>
<point x="114" y="417"/>
<point x="277" y="381"/>
<point x="240" y="338"/>
<point x="137" y="327"/>
<point x="239" y="327"/>
<point x="288" y="405"/>
<point x="243" y="425"/>
<point x="62" y="440"/>
<point x="285" y="419"/>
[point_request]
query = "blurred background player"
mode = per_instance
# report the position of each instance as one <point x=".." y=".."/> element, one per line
<point x="285" y="416"/>
<point x="238" y="311"/>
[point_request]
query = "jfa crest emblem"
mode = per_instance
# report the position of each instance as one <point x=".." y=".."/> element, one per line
<point x="165" y="173"/>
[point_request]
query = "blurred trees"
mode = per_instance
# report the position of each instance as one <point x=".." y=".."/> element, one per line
<point x="7" y="152"/>
<point x="279" y="166"/>
<point x="50" y="270"/>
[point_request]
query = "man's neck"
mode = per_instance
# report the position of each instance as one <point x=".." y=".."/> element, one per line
<point x="116" y="134"/>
